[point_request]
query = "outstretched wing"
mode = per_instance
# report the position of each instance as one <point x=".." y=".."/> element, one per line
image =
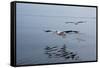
<point x="48" y="31"/>
<point x="69" y="22"/>
<point x="80" y="22"/>
<point x="71" y="31"/>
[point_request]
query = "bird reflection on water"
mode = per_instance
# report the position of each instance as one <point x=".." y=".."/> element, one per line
<point x="62" y="52"/>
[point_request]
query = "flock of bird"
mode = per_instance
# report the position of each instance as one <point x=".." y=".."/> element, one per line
<point x="53" y="51"/>
<point x="64" y="33"/>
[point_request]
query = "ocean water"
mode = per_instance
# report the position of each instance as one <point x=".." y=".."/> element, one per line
<point x="31" y="39"/>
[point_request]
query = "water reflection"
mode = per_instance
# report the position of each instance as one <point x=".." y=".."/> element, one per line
<point x="62" y="52"/>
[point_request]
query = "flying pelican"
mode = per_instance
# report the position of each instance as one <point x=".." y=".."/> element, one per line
<point x="76" y="23"/>
<point x="79" y="22"/>
<point x="62" y="33"/>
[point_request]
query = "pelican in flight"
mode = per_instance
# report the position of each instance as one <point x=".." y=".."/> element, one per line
<point x="62" y="33"/>
<point x="76" y="23"/>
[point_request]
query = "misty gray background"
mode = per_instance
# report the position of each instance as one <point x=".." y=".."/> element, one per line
<point x="33" y="19"/>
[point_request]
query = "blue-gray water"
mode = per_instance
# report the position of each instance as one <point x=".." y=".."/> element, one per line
<point x="32" y="20"/>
